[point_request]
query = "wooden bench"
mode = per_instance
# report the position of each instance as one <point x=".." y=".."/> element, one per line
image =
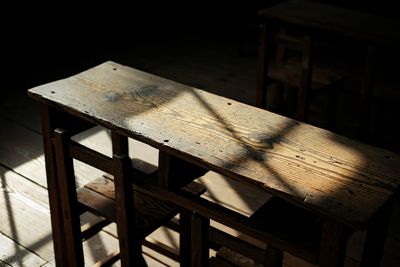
<point x="345" y="184"/>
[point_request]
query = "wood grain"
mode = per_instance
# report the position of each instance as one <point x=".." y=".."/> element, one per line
<point x="311" y="167"/>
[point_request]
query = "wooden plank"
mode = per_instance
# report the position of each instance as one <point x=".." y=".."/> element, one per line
<point x="235" y="195"/>
<point x="311" y="167"/>
<point x="15" y="255"/>
<point x="332" y="19"/>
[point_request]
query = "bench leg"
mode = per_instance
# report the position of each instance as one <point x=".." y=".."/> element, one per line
<point x="57" y="225"/>
<point x="376" y="237"/>
<point x="129" y="243"/>
<point x="68" y="199"/>
<point x="185" y="239"/>
<point x="333" y="244"/>
<point x="200" y="246"/>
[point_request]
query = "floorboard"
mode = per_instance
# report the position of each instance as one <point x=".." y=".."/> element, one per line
<point x="12" y="254"/>
<point x="23" y="218"/>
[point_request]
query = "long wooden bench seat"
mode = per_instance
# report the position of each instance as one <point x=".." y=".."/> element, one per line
<point x="344" y="184"/>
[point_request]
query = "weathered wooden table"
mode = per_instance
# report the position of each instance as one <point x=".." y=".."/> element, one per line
<point x="349" y="184"/>
<point x="351" y="26"/>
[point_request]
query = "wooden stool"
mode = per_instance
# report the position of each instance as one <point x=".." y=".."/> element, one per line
<point x="296" y="72"/>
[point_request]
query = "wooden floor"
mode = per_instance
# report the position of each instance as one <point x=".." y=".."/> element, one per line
<point x="213" y="65"/>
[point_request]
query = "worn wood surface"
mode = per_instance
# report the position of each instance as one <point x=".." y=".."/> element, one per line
<point x="328" y="173"/>
<point x="349" y="23"/>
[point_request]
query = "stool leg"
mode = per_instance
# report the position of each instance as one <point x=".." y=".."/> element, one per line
<point x="129" y="242"/>
<point x="185" y="239"/>
<point x="305" y="85"/>
<point x="261" y="92"/>
<point x="331" y="111"/>
<point x="200" y="246"/>
<point x="366" y="92"/>
<point x="68" y="199"/>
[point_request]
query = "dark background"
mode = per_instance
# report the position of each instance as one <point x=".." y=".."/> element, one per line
<point x="50" y="38"/>
<point x="42" y="43"/>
